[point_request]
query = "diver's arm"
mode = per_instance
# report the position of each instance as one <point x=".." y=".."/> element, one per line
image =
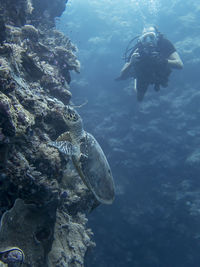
<point x="175" y="61"/>
<point x="127" y="70"/>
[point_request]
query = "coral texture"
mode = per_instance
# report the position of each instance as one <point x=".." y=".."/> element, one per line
<point x="42" y="199"/>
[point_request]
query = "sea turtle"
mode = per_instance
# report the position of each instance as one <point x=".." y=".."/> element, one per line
<point x="87" y="156"/>
<point x="12" y="256"/>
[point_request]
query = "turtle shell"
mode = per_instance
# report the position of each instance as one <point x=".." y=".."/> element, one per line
<point x="94" y="169"/>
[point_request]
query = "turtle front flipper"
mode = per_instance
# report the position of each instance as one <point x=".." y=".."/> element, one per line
<point x="64" y="147"/>
<point x="65" y="137"/>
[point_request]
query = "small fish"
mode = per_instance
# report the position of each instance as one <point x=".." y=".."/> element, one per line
<point x="13" y="256"/>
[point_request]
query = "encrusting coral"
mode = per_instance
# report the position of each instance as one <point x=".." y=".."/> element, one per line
<point x="42" y="199"/>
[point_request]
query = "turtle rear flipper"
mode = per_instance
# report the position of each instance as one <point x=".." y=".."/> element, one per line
<point x="64" y="147"/>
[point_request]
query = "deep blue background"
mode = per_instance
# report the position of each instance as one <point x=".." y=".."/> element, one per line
<point x="153" y="146"/>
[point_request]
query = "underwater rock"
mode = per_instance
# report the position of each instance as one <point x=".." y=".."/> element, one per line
<point x="42" y="198"/>
<point x="67" y="59"/>
<point x="29" y="228"/>
<point x="29" y="31"/>
<point x="15" y="119"/>
<point x="39" y="190"/>
<point x="8" y="118"/>
<point x="61" y="93"/>
<point x="71" y="241"/>
<point x="46" y="11"/>
<point x="32" y="70"/>
<point x="2" y="30"/>
<point x="16" y="12"/>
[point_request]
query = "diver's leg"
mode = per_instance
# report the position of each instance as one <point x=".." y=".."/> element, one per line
<point x="141" y="89"/>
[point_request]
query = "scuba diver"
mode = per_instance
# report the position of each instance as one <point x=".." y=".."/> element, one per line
<point x="150" y="61"/>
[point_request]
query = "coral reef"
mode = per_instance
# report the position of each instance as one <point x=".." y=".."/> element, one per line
<point x="42" y="199"/>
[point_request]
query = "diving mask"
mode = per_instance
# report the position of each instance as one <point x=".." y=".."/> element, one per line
<point x="149" y="38"/>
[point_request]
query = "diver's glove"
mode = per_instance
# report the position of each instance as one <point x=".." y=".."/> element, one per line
<point x="135" y="57"/>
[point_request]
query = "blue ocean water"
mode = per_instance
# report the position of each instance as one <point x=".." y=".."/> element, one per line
<point x="153" y="146"/>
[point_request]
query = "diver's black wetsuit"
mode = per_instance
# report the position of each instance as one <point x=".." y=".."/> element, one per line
<point x="152" y="67"/>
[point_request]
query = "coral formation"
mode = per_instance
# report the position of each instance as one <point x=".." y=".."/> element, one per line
<point x="42" y="199"/>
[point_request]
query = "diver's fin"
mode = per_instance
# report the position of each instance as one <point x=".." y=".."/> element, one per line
<point x="64" y="147"/>
<point x="64" y="137"/>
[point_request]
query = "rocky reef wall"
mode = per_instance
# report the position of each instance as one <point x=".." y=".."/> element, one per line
<point x="42" y="199"/>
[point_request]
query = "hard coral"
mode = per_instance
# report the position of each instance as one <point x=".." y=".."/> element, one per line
<point x="35" y="65"/>
<point x="29" y="31"/>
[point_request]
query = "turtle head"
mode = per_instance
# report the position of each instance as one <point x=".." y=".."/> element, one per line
<point x="73" y="121"/>
<point x="71" y="114"/>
